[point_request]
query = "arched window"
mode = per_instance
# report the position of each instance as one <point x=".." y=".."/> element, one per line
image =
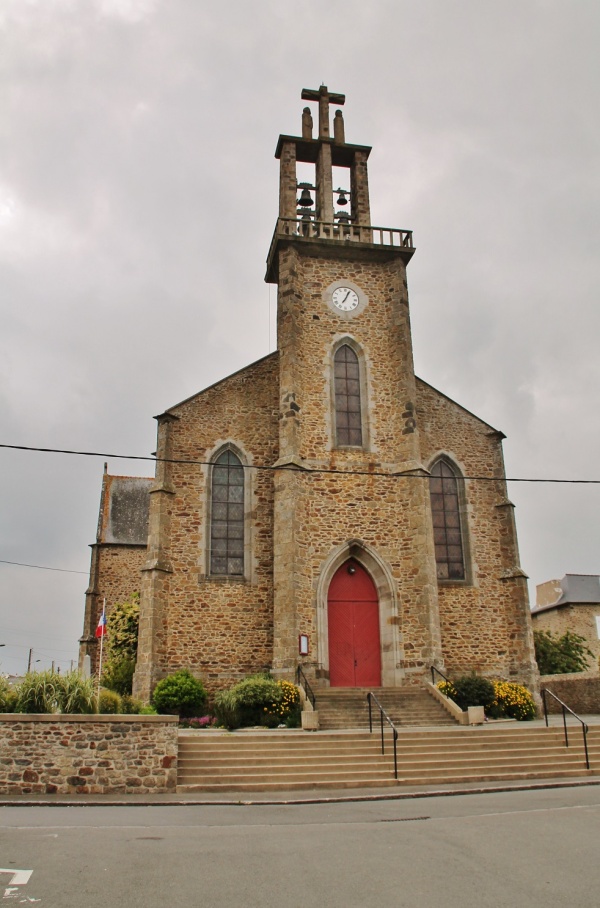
<point x="227" y="516"/>
<point x="348" y="422"/>
<point x="447" y="525"/>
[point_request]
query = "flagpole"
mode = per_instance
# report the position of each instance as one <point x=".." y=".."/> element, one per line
<point x="102" y="644"/>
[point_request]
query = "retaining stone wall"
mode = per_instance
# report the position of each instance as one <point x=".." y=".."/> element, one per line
<point x="52" y="754"/>
<point x="580" y="691"/>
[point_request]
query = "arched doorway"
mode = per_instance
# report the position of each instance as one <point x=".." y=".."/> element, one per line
<point x="353" y="625"/>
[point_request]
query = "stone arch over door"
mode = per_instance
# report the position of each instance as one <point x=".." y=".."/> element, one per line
<point x="391" y="652"/>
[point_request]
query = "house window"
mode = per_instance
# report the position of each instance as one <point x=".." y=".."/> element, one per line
<point x="447" y="529"/>
<point x="227" y="516"/>
<point x="348" y="423"/>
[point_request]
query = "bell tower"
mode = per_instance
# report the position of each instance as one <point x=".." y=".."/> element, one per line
<point x="348" y="432"/>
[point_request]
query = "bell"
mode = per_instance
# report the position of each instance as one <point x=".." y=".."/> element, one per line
<point x="342" y="200"/>
<point x="305" y="199"/>
<point x="342" y="217"/>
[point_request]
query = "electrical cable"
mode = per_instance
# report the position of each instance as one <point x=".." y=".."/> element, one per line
<point x="309" y="470"/>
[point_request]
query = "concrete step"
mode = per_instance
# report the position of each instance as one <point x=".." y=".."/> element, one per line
<point x="348" y="707"/>
<point x="270" y="761"/>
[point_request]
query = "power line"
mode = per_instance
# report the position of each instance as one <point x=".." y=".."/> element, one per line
<point x="42" y="567"/>
<point x="323" y="470"/>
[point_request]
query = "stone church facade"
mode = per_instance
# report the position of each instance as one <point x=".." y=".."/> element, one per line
<point x="315" y="507"/>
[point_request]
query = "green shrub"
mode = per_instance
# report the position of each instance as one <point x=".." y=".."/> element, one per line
<point x="39" y="692"/>
<point x="118" y="675"/>
<point x="560" y="655"/>
<point x="76" y="694"/>
<point x="473" y="690"/>
<point x="109" y="702"/>
<point x="131" y="706"/>
<point x="120" y="646"/>
<point x="258" y="700"/>
<point x="147" y="710"/>
<point x="180" y="692"/>
<point x="513" y="701"/>
<point x="8" y="697"/>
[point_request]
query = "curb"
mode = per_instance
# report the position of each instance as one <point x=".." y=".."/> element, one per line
<point x="347" y="799"/>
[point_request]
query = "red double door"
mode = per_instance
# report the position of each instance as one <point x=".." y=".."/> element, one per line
<point x="353" y="623"/>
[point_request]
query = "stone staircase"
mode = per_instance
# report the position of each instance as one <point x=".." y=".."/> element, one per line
<point x="346" y="707"/>
<point x="295" y="760"/>
<point x="280" y="760"/>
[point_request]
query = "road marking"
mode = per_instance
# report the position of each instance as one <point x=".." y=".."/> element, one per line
<point x="19" y="877"/>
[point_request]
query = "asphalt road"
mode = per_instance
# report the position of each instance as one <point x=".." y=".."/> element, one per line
<point x="519" y="849"/>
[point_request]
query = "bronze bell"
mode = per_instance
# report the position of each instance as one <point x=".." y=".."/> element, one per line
<point x="343" y="217"/>
<point x="342" y="200"/>
<point x="305" y="199"/>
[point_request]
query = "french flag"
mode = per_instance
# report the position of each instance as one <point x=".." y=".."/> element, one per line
<point x="101" y="629"/>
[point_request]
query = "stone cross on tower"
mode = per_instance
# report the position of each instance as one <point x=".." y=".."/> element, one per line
<point x="325" y="98"/>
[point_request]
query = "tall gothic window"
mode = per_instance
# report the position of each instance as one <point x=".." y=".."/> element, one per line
<point x="447" y="529"/>
<point x="227" y="516"/>
<point x="348" y="426"/>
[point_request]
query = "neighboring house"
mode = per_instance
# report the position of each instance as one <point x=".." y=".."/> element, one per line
<point x="318" y="505"/>
<point x="571" y="604"/>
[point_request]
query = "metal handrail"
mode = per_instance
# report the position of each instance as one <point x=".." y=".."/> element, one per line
<point x="435" y="670"/>
<point x="301" y="679"/>
<point x="567" y="709"/>
<point x="383" y="715"/>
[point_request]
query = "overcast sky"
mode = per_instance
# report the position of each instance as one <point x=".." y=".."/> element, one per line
<point x="138" y="196"/>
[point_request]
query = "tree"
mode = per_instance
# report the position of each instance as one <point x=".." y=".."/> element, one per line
<point x="121" y="645"/>
<point x="560" y="655"/>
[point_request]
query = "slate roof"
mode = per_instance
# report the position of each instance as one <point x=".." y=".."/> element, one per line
<point x="577" y="589"/>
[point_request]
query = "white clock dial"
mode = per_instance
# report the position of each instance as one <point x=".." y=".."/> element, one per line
<point x="344" y="299"/>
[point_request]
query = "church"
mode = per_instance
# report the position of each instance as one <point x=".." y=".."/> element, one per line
<point x="324" y="506"/>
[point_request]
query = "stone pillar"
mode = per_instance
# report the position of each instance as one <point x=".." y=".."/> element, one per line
<point x="152" y="635"/>
<point x="286" y="571"/>
<point x="287" y="181"/>
<point x="324" y="184"/>
<point x="88" y="644"/>
<point x="522" y="666"/>
<point x="288" y="333"/>
<point x="359" y="187"/>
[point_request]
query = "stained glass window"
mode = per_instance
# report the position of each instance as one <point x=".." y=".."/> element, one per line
<point x="347" y="397"/>
<point x="447" y="531"/>
<point x="227" y="516"/>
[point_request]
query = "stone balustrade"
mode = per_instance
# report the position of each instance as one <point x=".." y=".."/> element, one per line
<point x="322" y="230"/>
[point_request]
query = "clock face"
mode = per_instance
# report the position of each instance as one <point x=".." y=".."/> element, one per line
<point x="344" y="299"/>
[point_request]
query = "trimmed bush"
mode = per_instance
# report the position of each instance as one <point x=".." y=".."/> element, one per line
<point x="513" y="701"/>
<point x="473" y="690"/>
<point x="109" y="702"/>
<point x="180" y="692"/>
<point x="131" y="706"/>
<point x="258" y="700"/>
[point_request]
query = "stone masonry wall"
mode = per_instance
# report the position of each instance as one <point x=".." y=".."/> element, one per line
<point x="117" y="578"/>
<point x="51" y="754"/>
<point x="485" y="621"/>
<point x="580" y="691"/>
<point x="579" y="619"/>
<point x="220" y="628"/>
<point x="385" y="516"/>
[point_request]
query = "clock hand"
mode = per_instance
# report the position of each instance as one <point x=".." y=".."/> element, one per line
<point x="346" y="297"/>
